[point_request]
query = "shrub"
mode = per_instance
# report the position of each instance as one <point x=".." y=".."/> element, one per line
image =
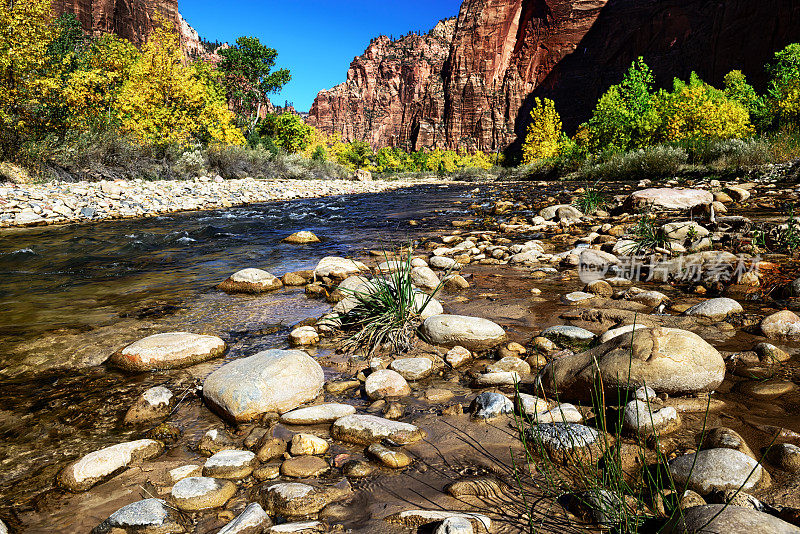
<point x="695" y="110"/>
<point x="544" y="132"/>
<point x="738" y="90"/>
<point x="288" y="131"/>
<point x="652" y="162"/>
<point x="784" y="87"/>
<point x="319" y="154"/>
<point x="191" y="163"/>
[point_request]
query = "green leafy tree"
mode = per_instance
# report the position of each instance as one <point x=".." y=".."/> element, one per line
<point x="738" y="90"/>
<point x="70" y="40"/>
<point x="784" y="87"/>
<point x="626" y="116"/>
<point x="357" y="155"/>
<point x="287" y="130"/>
<point x="248" y="77"/>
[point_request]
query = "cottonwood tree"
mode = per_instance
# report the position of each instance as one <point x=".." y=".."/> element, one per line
<point x="248" y="77"/>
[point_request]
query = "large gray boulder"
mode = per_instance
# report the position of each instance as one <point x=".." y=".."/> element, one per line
<point x="666" y="359"/>
<point x="472" y="333"/>
<point x="717" y="309"/>
<point x="271" y="381"/>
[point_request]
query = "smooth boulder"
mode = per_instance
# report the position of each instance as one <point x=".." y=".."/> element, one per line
<point x="717" y="309"/>
<point x="315" y="415"/>
<point x="716" y="470"/>
<point x="367" y="429"/>
<point x="782" y="325"/>
<point x="472" y="333"/>
<point x="667" y="198"/>
<point x="270" y="381"/>
<point x="104" y="463"/>
<point x="668" y="360"/>
<point x="167" y="351"/>
<point x="148" y="516"/>
<point x="727" y="519"/>
<point x="250" y="281"/>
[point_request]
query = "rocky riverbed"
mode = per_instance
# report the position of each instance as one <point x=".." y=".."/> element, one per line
<point x="281" y="431"/>
<point x="63" y="202"/>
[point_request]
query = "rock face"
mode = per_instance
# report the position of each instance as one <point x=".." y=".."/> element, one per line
<point x="394" y="93"/>
<point x="270" y="381"/>
<point x="472" y="81"/>
<point x="133" y="20"/>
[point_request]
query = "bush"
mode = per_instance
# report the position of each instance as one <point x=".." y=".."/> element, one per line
<point x="731" y="154"/>
<point x="784" y="87"/>
<point x="191" y="163"/>
<point x="288" y="131"/>
<point x="652" y="162"/>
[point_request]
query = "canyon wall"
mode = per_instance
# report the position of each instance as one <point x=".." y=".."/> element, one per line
<point x="394" y="93"/>
<point x="504" y="53"/>
<point x="130" y="19"/>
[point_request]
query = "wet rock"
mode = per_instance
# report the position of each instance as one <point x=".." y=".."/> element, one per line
<point x="769" y="353"/>
<point x="561" y="212"/>
<point x="294" y="280"/>
<point x="722" y="519"/>
<point x="785" y="456"/>
<point x="304" y="336"/>
<point x="308" y="444"/>
<point x="668" y="199"/>
<point x="455" y="525"/>
<point x="394" y="458"/>
<point x="338" y="387"/>
<point x="304" y="467"/>
<point x="509" y="364"/>
<point x="444" y="263"/>
<point x="690" y="499"/>
<point x="413" y="368"/>
<point x="335" y="267"/>
<point x="424" y="277"/>
<point x="594" y="265"/>
<point x="457" y="356"/>
<point x="455" y="282"/>
<point x="230" y="464"/>
<point x="577" y="297"/>
<point x="253" y="520"/>
<point x="250" y="281"/>
<point x="472" y="333"/>
<point x="154" y="404"/>
<point x="300" y="527"/>
<point x="301" y="238"/>
<point x="271" y="448"/>
<point x="668" y="360"/>
<point x="316" y="415"/>
<point x="271" y="381"/>
<point x="201" y="493"/>
<point x="386" y="383"/>
<point x="267" y="472"/>
<point x="366" y="429"/>
<point x="418" y="518"/>
<point x="149" y="516"/>
<point x="167" y="351"/>
<point x="214" y="441"/>
<point x="768" y="388"/>
<point x="568" y="442"/>
<point x="716" y="470"/>
<point x="438" y="395"/>
<point x="782" y="325"/>
<point x="426" y="306"/>
<point x="726" y="438"/>
<point x="104" y="463"/>
<point x="184" y="471"/>
<point x="394" y="410"/>
<point x="490" y="404"/>
<point x="358" y="469"/>
<point x="567" y="333"/>
<point x="717" y="309"/>
<point x="293" y="499"/>
<point x="643" y="419"/>
<point x="687" y="234"/>
<point x="601" y="288"/>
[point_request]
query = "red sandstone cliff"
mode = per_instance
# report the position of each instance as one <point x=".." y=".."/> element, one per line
<point x="503" y="53"/>
<point x="130" y="19"/>
<point x="394" y="93"/>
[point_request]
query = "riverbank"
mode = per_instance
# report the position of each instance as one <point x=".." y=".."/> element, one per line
<point x="68" y="202"/>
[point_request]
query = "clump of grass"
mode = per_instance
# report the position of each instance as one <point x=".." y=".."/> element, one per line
<point x="780" y="238"/>
<point x="647" y="237"/>
<point x="386" y="312"/>
<point x="591" y="200"/>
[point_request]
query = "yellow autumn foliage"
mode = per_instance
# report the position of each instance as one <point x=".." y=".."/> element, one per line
<point x="544" y="132"/>
<point x="166" y="101"/>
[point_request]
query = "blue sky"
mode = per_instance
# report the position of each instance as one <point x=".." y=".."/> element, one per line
<point x="315" y="39"/>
